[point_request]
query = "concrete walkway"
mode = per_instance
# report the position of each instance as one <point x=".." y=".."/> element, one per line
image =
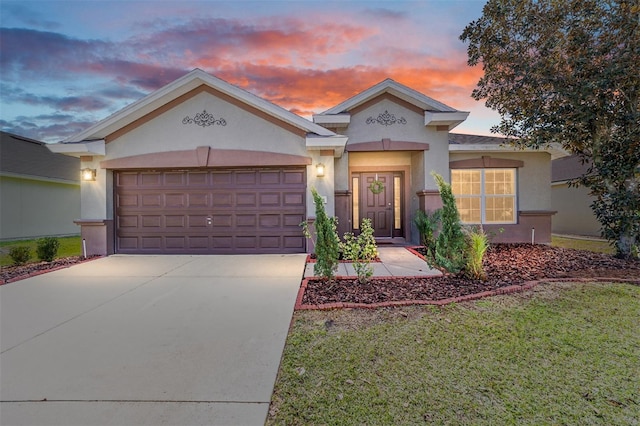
<point x="146" y="340"/>
<point x="394" y="262"/>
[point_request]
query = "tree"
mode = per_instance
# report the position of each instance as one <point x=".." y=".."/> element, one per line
<point x="566" y="71"/>
<point x="450" y="243"/>
<point x="327" y="241"/>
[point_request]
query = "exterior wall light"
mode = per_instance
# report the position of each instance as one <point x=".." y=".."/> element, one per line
<point x="320" y="170"/>
<point x="88" y="174"/>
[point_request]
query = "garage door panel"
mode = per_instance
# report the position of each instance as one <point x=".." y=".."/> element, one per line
<point x="211" y="211"/>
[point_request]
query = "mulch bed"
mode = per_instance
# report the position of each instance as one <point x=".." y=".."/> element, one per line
<point x="9" y="274"/>
<point x="509" y="267"/>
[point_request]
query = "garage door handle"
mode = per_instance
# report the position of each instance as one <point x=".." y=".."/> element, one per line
<point x="209" y="221"/>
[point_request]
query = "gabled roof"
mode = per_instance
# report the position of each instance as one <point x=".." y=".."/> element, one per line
<point x="24" y="157"/>
<point x="390" y="86"/>
<point x="179" y="87"/>
<point x="435" y="112"/>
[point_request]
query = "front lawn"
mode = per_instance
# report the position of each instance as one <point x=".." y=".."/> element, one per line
<point x="558" y="354"/>
<point x="596" y="245"/>
<point x="69" y="246"/>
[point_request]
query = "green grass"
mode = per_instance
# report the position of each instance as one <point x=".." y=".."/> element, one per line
<point x="69" y="246"/>
<point x="581" y="244"/>
<point x="560" y="354"/>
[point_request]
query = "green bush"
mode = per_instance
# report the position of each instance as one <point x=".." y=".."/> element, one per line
<point x="450" y="244"/>
<point x="47" y="248"/>
<point x="427" y="224"/>
<point x="477" y="245"/>
<point x="361" y="250"/>
<point x="20" y="255"/>
<point x="327" y="241"/>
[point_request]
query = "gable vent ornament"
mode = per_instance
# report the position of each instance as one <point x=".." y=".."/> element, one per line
<point x="204" y="119"/>
<point x="386" y="119"/>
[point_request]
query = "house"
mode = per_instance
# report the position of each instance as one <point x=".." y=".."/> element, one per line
<point x="202" y="166"/>
<point x="573" y="204"/>
<point x="39" y="190"/>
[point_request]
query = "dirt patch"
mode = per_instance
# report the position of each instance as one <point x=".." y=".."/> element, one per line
<point x="505" y="264"/>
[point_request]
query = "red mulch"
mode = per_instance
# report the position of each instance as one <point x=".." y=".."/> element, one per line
<point x="505" y="264"/>
<point x="15" y="273"/>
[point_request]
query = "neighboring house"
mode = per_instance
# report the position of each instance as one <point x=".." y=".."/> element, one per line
<point x="39" y="190"/>
<point x="202" y="166"/>
<point x="574" y="216"/>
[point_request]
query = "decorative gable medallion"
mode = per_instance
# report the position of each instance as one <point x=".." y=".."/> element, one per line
<point x="386" y="119"/>
<point x="204" y="119"/>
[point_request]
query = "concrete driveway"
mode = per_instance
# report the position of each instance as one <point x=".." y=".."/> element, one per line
<point x="146" y="340"/>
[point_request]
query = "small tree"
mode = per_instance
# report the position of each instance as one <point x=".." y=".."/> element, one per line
<point x="450" y="244"/>
<point x="361" y="250"/>
<point x="427" y="224"/>
<point x="327" y="241"/>
<point x="477" y="245"/>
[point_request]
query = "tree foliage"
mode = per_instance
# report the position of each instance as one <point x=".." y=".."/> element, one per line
<point x="327" y="241"/>
<point x="450" y="243"/>
<point x="567" y="72"/>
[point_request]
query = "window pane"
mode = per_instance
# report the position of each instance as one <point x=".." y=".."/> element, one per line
<point x="465" y="182"/>
<point x="469" y="209"/>
<point x="356" y="202"/>
<point x="499" y="181"/>
<point x="499" y="209"/>
<point x="397" y="217"/>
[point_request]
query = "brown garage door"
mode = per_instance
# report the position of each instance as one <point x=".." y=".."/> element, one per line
<point x="210" y="211"/>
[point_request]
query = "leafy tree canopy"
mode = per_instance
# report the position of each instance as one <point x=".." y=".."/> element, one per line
<point x="567" y="72"/>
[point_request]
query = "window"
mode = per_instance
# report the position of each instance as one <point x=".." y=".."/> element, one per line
<point x="485" y="195"/>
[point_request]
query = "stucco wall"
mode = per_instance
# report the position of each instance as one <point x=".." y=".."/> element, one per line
<point x="574" y="215"/>
<point x="243" y="130"/>
<point x="534" y="179"/>
<point x="35" y="208"/>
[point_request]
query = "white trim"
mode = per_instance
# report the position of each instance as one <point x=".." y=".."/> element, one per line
<point x="389" y="86"/>
<point x="337" y="143"/>
<point x="181" y="86"/>
<point x="451" y="119"/>
<point x="77" y="149"/>
<point x="337" y="120"/>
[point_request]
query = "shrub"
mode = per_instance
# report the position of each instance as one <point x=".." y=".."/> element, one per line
<point x="450" y="244"/>
<point x="20" y="255"/>
<point x="47" y="248"/>
<point x="427" y="224"/>
<point x="477" y="245"/>
<point x="361" y="250"/>
<point x="327" y="241"/>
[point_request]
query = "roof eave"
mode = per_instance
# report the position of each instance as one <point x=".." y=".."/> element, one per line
<point x="77" y="149"/>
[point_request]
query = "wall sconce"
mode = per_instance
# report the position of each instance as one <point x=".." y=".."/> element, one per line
<point x="320" y="170"/>
<point x="88" y="174"/>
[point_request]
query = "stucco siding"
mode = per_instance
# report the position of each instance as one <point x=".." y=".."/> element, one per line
<point x="243" y="130"/>
<point x="574" y="215"/>
<point x="33" y="208"/>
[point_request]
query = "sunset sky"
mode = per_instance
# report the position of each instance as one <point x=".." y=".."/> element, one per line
<point x="67" y="64"/>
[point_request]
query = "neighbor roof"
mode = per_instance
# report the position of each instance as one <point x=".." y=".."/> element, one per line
<point x="463" y="143"/>
<point x="24" y="157"/>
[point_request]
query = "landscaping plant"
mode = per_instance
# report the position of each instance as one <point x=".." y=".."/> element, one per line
<point x="450" y="244"/>
<point x="427" y="224"/>
<point x="47" y="248"/>
<point x="327" y="244"/>
<point x="477" y="245"/>
<point x="20" y="255"/>
<point x="361" y="250"/>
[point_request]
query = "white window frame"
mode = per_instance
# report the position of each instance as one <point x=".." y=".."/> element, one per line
<point x="483" y="196"/>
